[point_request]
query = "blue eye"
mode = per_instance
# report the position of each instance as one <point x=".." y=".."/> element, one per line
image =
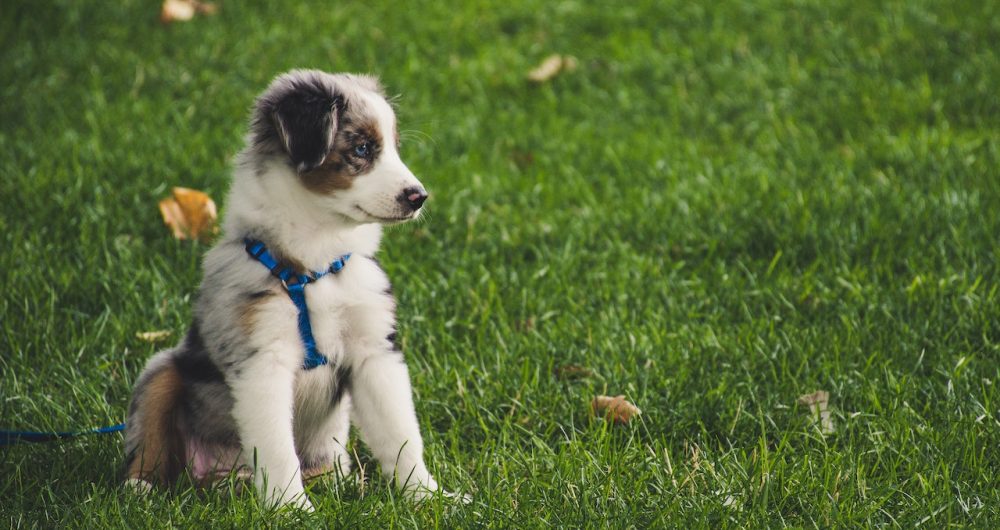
<point x="362" y="151"/>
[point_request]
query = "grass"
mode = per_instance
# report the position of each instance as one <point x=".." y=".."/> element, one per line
<point x="725" y="206"/>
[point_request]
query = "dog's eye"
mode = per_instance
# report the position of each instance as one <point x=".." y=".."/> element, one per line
<point x="362" y="150"/>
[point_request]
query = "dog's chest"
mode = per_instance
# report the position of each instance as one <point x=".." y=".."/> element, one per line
<point x="351" y="312"/>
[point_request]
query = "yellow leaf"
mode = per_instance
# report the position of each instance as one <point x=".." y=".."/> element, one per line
<point x="153" y="336"/>
<point x="617" y="408"/>
<point x="176" y="11"/>
<point x="184" y="10"/>
<point x="189" y="214"/>
<point x="552" y="66"/>
<point x="818" y="402"/>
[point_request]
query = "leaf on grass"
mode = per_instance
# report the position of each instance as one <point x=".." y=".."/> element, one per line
<point x="818" y="402"/>
<point x="190" y="214"/>
<point x="551" y="67"/>
<point x="184" y="10"/>
<point x="617" y="408"/>
<point x="153" y="336"/>
<point x="206" y="8"/>
<point x="572" y="371"/>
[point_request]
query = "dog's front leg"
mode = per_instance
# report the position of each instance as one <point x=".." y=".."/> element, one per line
<point x="264" y="401"/>
<point x="383" y="410"/>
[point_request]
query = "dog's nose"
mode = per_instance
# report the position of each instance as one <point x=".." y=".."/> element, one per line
<point x="413" y="197"/>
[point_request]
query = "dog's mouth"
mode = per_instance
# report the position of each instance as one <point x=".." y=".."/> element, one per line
<point x="387" y="220"/>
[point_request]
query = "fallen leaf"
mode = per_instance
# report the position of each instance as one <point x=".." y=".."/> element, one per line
<point x="176" y="11"/>
<point x="522" y="158"/>
<point x="572" y="371"/>
<point x="552" y="66"/>
<point x="153" y="336"/>
<point x="818" y="402"/>
<point x="190" y="214"/>
<point x="184" y="10"/>
<point x="617" y="408"/>
<point x="206" y="8"/>
<point x="731" y="502"/>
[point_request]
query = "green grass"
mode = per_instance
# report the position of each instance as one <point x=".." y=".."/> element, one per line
<point x="725" y="206"/>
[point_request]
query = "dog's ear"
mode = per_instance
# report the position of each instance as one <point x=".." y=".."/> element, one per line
<point x="306" y="124"/>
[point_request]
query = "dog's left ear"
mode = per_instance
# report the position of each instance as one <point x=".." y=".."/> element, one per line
<point x="306" y="124"/>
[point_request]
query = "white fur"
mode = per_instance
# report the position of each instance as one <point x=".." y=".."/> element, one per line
<point x="240" y="368"/>
<point x="279" y="407"/>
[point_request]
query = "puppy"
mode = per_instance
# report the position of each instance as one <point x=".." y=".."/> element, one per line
<point x="246" y="389"/>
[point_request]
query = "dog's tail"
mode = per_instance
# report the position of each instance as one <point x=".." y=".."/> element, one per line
<point x="155" y="452"/>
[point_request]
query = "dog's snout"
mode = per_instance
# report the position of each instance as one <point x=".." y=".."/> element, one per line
<point x="413" y="197"/>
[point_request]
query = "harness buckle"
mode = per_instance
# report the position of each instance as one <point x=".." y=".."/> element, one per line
<point x="299" y="281"/>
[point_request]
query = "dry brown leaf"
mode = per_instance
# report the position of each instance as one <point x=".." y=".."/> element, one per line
<point x="206" y="8"/>
<point x="552" y="66"/>
<point x="572" y="371"/>
<point x="190" y="214"/>
<point x="615" y="408"/>
<point x="153" y="336"/>
<point x="818" y="403"/>
<point x="184" y="10"/>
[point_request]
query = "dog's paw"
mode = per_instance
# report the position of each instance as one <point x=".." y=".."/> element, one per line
<point x="420" y="493"/>
<point x="462" y="498"/>
<point x="300" y="503"/>
<point x="304" y="504"/>
<point x="288" y="499"/>
<point x="137" y="486"/>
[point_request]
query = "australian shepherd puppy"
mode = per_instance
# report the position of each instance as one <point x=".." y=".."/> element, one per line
<point x="319" y="176"/>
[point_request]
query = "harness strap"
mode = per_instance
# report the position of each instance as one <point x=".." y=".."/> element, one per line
<point x="297" y="292"/>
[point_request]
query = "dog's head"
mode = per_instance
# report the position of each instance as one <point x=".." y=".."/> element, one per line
<point x="338" y="134"/>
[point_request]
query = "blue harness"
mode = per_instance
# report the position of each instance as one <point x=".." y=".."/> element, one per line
<point x="295" y="285"/>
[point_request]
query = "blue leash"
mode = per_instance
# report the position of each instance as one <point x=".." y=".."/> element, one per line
<point x="295" y="285"/>
<point x="16" y="437"/>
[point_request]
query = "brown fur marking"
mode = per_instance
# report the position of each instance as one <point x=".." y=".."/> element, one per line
<point x="312" y="473"/>
<point x="248" y="311"/>
<point x="341" y="166"/>
<point x="328" y="177"/>
<point x="160" y="456"/>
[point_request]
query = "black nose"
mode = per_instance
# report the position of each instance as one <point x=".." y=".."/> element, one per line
<point x="413" y="197"/>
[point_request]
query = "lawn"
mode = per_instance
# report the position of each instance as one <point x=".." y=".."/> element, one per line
<point x="724" y="206"/>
